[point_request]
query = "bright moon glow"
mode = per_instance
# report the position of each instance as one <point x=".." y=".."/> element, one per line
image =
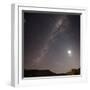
<point x="69" y="52"/>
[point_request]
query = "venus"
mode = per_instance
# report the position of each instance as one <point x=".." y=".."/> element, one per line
<point x="69" y="52"/>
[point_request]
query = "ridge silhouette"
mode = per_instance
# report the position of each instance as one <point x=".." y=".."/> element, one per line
<point x="39" y="73"/>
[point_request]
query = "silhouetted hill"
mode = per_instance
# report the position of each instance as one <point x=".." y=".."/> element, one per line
<point x="34" y="73"/>
<point x="74" y="72"/>
<point x="38" y="73"/>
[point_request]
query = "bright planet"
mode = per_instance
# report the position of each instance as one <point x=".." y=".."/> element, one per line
<point x="69" y="52"/>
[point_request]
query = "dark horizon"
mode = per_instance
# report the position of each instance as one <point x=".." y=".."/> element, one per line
<point x="51" y="41"/>
<point x="49" y="70"/>
<point x="39" y="73"/>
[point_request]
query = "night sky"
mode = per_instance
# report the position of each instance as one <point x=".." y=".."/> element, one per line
<point x="51" y="41"/>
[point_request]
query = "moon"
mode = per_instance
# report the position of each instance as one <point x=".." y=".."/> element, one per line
<point x="69" y="52"/>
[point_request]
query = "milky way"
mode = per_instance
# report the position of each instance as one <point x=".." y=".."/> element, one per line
<point x="48" y="37"/>
<point x="58" y="28"/>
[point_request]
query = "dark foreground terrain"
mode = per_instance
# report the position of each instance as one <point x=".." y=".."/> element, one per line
<point x="39" y="73"/>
